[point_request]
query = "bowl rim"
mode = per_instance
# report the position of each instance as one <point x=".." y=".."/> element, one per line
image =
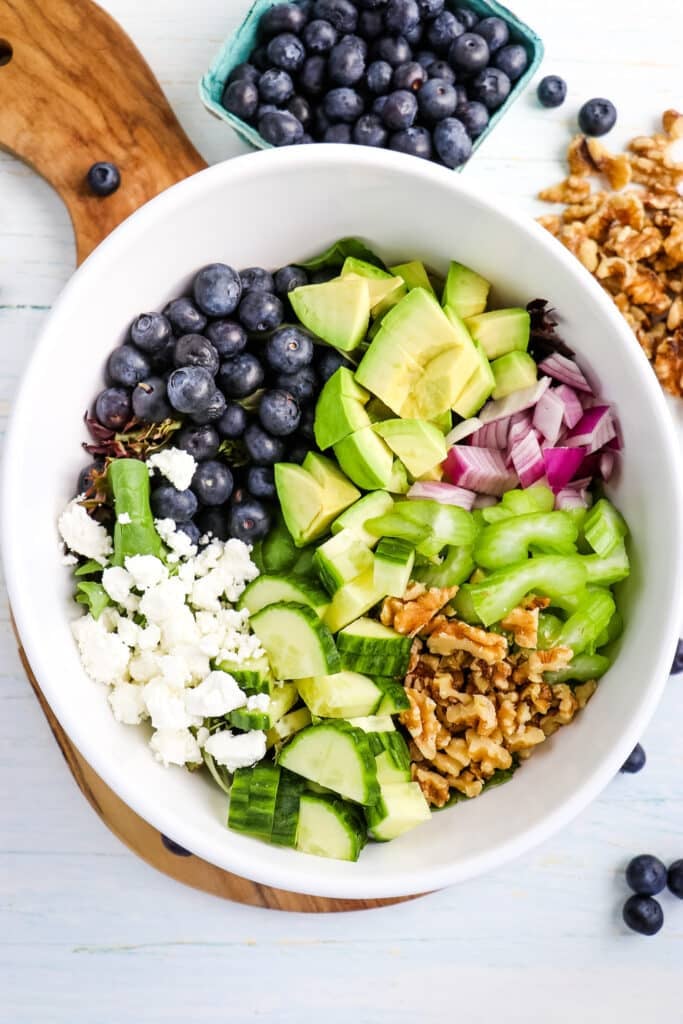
<point x="299" y="879"/>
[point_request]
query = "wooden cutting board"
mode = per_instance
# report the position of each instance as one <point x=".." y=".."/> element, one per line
<point x="75" y="90"/>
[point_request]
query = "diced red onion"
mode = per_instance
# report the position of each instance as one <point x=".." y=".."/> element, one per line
<point x="527" y="458"/>
<point x="445" y="494"/>
<point x="479" y="469"/>
<point x="566" y="371"/>
<point x="615" y="445"/>
<point x="549" y="414"/>
<point x="607" y="460"/>
<point x="520" y="425"/>
<point x="484" y="501"/>
<point x="462" y="430"/>
<point x="560" y="466"/>
<point x="526" y="398"/>
<point x="594" y="429"/>
<point x="571" y="498"/>
<point x="491" y="435"/>
<point x="573" y="410"/>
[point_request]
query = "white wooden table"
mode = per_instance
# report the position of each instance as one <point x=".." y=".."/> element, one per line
<point x="90" y="935"/>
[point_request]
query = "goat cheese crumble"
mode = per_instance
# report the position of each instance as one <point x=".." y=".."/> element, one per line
<point x="82" y="534"/>
<point x="176" y="465"/>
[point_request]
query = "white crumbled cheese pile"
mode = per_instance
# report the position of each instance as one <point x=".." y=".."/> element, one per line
<point x="162" y="670"/>
<point x="175" y="464"/>
<point x="83" y="534"/>
<point x="178" y="542"/>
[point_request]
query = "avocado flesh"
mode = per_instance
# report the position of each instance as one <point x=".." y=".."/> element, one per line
<point x="398" y="484"/>
<point x="477" y="389"/>
<point x="340" y="409"/>
<point x="500" y="331"/>
<point x="338" y="492"/>
<point x="465" y="291"/>
<point x="385" y="289"/>
<point x="512" y="372"/>
<point x="337" y="311"/>
<point x="365" y="458"/>
<point x="377" y="503"/>
<point x="418" y="444"/>
<point x="414" y="275"/>
<point x="440" y="384"/>
<point x="301" y="501"/>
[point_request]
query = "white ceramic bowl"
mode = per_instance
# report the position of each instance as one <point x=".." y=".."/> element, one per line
<point x="272" y="208"/>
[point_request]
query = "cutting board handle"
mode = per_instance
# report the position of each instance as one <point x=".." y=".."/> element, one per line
<point x="74" y="90"/>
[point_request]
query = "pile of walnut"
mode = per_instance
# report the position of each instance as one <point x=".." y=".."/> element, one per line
<point x="477" y="701"/>
<point x="631" y="241"/>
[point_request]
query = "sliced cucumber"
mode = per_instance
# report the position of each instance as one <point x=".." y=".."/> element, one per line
<point x="352" y="600"/>
<point x="286" y="815"/>
<point x="252" y="799"/>
<point x="374" y="723"/>
<point x="337" y="756"/>
<point x="377" y="503"/>
<point x="394" y="560"/>
<point x="388" y="772"/>
<point x="342" y="695"/>
<point x="287" y="726"/>
<point x="368" y="646"/>
<point x="253" y="674"/>
<point x="297" y="642"/>
<point x="394" y="697"/>
<point x="329" y="827"/>
<point x="282" y="698"/>
<point x="266" y="590"/>
<point x="401" y="807"/>
<point x="246" y="719"/>
<point x="393" y="744"/>
<point x="341" y="559"/>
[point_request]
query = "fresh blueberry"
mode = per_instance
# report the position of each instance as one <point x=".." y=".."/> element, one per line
<point x="86" y="477"/>
<point x="113" y="408"/>
<point x="371" y="5"/>
<point x="400" y="16"/>
<point x="415" y="141"/>
<point x="378" y="105"/>
<point x="196" y="350"/>
<point x="150" y="402"/>
<point x="442" y="69"/>
<point x="184" y="316"/>
<point x="275" y="87"/>
<point x="343" y="104"/>
<point x="150" y="332"/>
<point x="378" y="77"/>
<point x="643" y="914"/>
<point x="249" y="521"/>
<point x="163" y="362"/>
<point x="103" y="178"/>
<point x="279" y="413"/>
<point x="298" y="451"/>
<point x="261" y="482"/>
<point x="200" y="442"/>
<point x="260" y="311"/>
<point x="303" y="384"/>
<point x="240" y="376"/>
<point x="301" y="109"/>
<point x="369" y="131"/>
<point x="286" y="51"/>
<point x="461" y="99"/>
<point x="259" y="58"/>
<point x="212" y="411"/>
<point x="409" y="76"/>
<point x="430" y="9"/>
<point x="674" y="878"/>
<point x="370" y="25"/>
<point x="127" y="365"/>
<point x="452" y="142"/>
<point x="597" y="116"/>
<point x="212" y="482"/>
<point x="328" y="362"/>
<point x="491" y="87"/>
<point x="442" y="31"/>
<point x="342" y="14"/>
<point x="289" y="278"/>
<point x="227" y="337"/>
<point x="425" y="58"/>
<point x="280" y="128"/>
<point x="677" y="664"/>
<point x="241" y="99"/>
<point x="467" y="17"/>
<point x="282" y="18"/>
<point x="399" y="110"/>
<point x="265" y="108"/>
<point x="190" y="388"/>
<point x="306" y="425"/>
<point x="213" y="524"/>
<point x="475" y="117"/>
<point x="320" y="36"/>
<point x="414" y="35"/>
<point x="289" y="349"/>
<point x="263" y="449"/>
<point x="233" y="422"/>
<point x="494" y="31"/>
<point x="436" y="99"/>
<point x="552" y="91"/>
<point x="469" y="53"/>
<point x="305" y="140"/>
<point x="313" y="75"/>
<point x="394" y="50"/>
<point x="646" y="875"/>
<point x="635" y="760"/>
<point x="512" y="59"/>
<point x="169" y="503"/>
<point x="191" y="530"/>
<point x="346" y="63"/>
<point x="217" y="290"/>
<point x="256" y="279"/>
<point x="244" y="72"/>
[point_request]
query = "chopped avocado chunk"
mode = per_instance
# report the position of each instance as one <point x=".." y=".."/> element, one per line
<point x="465" y="291"/>
<point x="385" y="289"/>
<point x="377" y="503"/>
<point x="442" y="380"/>
<point x="418" y="444"/>
<point x="512" y="372"/>
<point x="340" y="409"/>
<point x="338" y="311"/>
<point x="478" y="388"/>
<point x="501" y="331"/>
<point x="414" y="275"/>
<point x="398" y="484"/>
<point x="311" y="496"/>
<point x="365" y="459"/>
<point x="353" y="600"/>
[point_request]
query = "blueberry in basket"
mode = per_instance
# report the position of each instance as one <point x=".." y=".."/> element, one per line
<point x="354" y="72"/>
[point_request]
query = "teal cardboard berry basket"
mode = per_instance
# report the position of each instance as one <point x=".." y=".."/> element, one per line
<point x="240" y="44"/>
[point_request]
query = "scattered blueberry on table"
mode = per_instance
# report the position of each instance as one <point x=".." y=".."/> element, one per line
<point x="677" y="664"/>
<point x="406" y="75"/>
<point x="675" y="878"/>
<point x="103" y="178"/>
<point x="643" y="914"/>
<point x="552" y="91"/>
<point x="635" y="761"/>
<point x="646" y="875"/>
<point x="597" y="117"/>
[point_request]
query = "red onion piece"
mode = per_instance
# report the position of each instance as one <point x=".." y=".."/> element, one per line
<point x="462" y="430"/>
<point x="445" y="494"/>
<point x="516" y="402"/>
<point x="571" y="498"/>
<point x="491" y="435"/>
<point x="520" y="425"/>
<point x="527" y="458"/>
<point x="566" y="371"/>
<point x="548" y="415"/>
<point x="573" y="410"/>
<point x="607" y="460"/>
<point x="560" y="466"/>
<point x="594" y="429"/>
<point x="479" y="469"/>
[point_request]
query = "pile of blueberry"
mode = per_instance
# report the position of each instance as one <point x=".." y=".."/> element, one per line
<point x="647" y="876"/>
<point x="242" y="381"/>
<point x="407" y="75"/>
